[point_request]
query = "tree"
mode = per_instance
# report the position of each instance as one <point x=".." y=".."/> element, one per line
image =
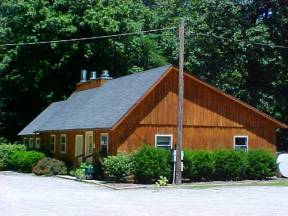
<point x="223" y="45"/>
<point x="34" y="76"/>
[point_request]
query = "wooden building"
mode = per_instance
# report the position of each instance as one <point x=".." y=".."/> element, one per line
<point x="119" y="115"/>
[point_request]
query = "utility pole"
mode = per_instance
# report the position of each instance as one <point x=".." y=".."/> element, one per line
<point x="178" y="171"/>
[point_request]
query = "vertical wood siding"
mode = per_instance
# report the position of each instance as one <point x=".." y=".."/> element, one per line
<point x="210" y="119"/>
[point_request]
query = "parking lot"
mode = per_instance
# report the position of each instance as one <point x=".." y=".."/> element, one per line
<point x="25" y="194"/>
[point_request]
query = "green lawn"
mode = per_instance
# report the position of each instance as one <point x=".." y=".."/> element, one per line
<point x="280" y="183"/>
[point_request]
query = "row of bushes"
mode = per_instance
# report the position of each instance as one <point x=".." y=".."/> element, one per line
<point x="148" y="164"/>
<point x="228" y="165"/>
<point x="16" y="157"/>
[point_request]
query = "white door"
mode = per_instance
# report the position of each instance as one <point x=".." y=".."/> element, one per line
<point x="79" y="147"/>
<point x="89" y="146"/>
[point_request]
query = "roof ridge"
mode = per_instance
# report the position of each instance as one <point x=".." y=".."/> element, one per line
<point x="141" y="72"/>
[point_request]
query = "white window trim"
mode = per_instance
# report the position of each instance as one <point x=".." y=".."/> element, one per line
<point x="63" y="135"/>
<point x="104" y="134"/>
<point x="53" y="135"/>
<point x="39" y="144"/>
<point x="31" y="143"/>
<point x="164" y="135"/>
<point x="25" y="141"/>
<point x="240" y="136"/>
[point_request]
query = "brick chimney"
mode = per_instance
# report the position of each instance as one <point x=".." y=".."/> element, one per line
<point x="93" y="81"/>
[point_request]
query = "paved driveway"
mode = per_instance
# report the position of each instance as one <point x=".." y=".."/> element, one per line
<point x="25" y="194"/>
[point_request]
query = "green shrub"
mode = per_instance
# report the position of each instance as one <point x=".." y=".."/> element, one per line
<point x="6" y="150"/>
<point x="80" y="174"/>
<point x="198" y="165"/>
<point x="118" y="167"/>
<point x="49" y="166"/>
<point x="149" y="163"/>
<point x="230" y="165"/>
<point x="24" y="161"/>
<point x="83" y="172"/>
<point x="261" y="164"/>
<point x="162" y="181"/>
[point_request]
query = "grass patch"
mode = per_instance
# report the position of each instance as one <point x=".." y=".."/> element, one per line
<point x="275" y="183"/>
<point x="283" y="183"/>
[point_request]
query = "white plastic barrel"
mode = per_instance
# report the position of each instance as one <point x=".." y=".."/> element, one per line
<point x="282" y="162"/>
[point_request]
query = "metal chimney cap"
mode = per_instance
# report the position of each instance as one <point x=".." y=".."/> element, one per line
<point x="105" y="74"/>
<point x="83" y="76"/>
<point x="93" y="75"/>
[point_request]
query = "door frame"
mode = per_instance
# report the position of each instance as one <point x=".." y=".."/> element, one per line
<point x="107" y="135"/>
<point x="80" y="159"/>
<point x="87" y="134"/>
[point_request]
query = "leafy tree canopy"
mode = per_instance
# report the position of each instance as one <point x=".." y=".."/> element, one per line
<point x="222" y="45"/>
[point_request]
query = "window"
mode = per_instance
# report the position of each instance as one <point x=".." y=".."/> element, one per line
<point x="163" y="141"/>
<point x="90" y="144"/>
<point x="63" y="143"/>
<point x="104" y="143"/>
<point x="25" y="141"/>
<point x="240" y="143"/>
<point x="31" y="142"/>
<point x="52" y="143"/>
<point x="37" y="142"/>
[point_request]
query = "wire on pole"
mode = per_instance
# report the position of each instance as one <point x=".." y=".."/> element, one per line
<point x="178" y="165"/>
<point x="237" y="40"/>
<point x="86" y="38"/>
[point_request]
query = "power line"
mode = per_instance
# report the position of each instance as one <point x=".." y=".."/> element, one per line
<point x="134" y="33"/>
<point x="86" y="38"/>
<point x="255" y="43"/>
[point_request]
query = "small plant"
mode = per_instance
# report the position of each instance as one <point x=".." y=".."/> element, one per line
<point x="50" y="166"/>
<point x="80" y="174"/>
<point x="162" y="181"/>
<point x="84" y="171"/>
<point x="118" y="167"/>
<point x="89" y="170"/>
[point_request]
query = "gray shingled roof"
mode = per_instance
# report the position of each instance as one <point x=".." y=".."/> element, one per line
<point x="98" y="107"/>
<point x="42" y="118"/>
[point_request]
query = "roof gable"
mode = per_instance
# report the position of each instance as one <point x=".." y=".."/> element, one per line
<point x="279" y="124"/>
<point x="230" y="98"/>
